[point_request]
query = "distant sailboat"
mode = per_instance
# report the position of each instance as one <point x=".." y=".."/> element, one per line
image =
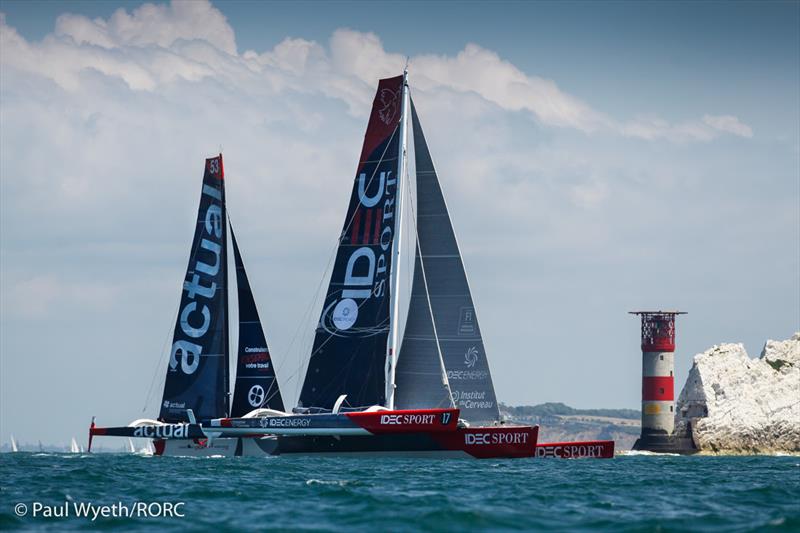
<point x="73" y="446"/>
<point x="14" y="444"/>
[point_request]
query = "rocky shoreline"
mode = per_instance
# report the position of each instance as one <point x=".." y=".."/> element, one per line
<point x="732" y="404"/>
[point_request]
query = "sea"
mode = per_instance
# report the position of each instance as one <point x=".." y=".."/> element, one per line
<point x="128" y="492"/>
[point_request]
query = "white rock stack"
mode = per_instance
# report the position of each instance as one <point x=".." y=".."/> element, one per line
<point x="732" y="403"/>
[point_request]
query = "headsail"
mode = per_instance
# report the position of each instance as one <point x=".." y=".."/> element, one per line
<point x="256" y="383"/>
<point x="197" y="375"/>
<point x="447" y="294"/>
<point x="350" y="345"/>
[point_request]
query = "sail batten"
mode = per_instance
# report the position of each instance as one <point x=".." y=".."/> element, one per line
<point x="197" y="375"/>
<point x="442" y="326"/>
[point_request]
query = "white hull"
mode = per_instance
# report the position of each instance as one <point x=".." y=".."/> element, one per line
<point x="222" y="447"/>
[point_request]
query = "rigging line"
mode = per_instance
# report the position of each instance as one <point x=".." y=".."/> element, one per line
<point x="304" y="321"/>
<point x="302" y="362"/>
<point x="445" y="381"/>
<point x="344" y="232"/>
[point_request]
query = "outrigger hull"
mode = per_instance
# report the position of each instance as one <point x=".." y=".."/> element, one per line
<point x="474" y="442"/>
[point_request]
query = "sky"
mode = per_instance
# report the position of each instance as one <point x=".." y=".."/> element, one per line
<point x="597" y="158"/>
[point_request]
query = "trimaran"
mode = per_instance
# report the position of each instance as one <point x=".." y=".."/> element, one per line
<point x="368" y="389"/>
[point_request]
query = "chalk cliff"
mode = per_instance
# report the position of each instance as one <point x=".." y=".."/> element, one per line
<point x="732" y="403"/>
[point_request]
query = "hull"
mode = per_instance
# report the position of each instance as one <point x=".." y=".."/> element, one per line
<point x="223" y="447"/>
<point x="474" y="442"/>
<point x="592" y="449"/>
<point x="339" y="424"/>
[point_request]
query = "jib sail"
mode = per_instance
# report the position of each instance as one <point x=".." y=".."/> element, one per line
<point x="197" y="373"/>
<point x="349" y="351"/>
<point x="256" y="383"/>
<point x="443" y="288"/>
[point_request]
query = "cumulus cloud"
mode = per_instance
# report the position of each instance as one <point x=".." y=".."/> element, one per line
<point x="155" y="45"/>
<point x="150" y="24"/>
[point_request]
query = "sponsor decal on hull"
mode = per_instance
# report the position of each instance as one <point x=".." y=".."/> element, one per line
<point x="376" y="422"/>
<point x="492" y="442"/>
<point x="601" y="449"/>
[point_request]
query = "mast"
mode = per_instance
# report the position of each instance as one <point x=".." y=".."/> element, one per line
<point x="391" y="352"/>
<point x="226" y="328"/>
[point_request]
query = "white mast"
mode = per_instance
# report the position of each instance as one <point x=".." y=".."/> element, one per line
<point x="392" y="345"/>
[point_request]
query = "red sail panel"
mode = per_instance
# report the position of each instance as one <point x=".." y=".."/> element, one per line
<point x="384" y="117"/>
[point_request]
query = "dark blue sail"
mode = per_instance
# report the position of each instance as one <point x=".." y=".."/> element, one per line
<point x="349" y="351"/>
<point x="197" y="374"/>
<point x="440" y="285"/>
<point x="256" y="383"/>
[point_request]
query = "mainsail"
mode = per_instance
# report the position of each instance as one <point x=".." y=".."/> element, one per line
<point x="440" y="285"/>
<point x="197" y="375"/>
<point x="256" y="384"/>
<point x="349" y="351"/>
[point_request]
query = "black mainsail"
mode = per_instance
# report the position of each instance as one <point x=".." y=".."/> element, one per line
<point x="197" y="374"/>
<point x="350" y="346"/>
<point x="256" y="383"/>
<point x="442" y="327"/>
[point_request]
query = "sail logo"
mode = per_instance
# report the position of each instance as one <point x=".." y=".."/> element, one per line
<point x="366" y="272"/>
<point x="255" y="396"/>
<point x="390" y="100"/>
<point x="253" y="360"/>
<point x="407" y="420"/>
<point x="167" y="431"/>
<point x="471" y="357"/>
<point x="471" y="400"/>
<point x="195" y="316"/>
<point x="480" y="439"/>
<point x="466" y="321"/>
<point x="570" y="451"/>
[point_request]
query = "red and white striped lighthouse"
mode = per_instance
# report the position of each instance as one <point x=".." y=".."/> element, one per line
<point x="658" y="369"/>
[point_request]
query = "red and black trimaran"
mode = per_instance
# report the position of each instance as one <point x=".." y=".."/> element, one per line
<point x="368" y="388"/>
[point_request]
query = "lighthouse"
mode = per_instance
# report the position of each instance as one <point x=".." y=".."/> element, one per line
<point x="658" y="384"/>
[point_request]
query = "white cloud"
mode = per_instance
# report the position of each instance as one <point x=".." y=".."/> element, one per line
<point x="729" y="124"/>
<point x="157" y="45"/>
<point x="151" y="24"/>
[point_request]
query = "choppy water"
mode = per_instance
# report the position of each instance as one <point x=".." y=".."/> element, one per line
<point x="632" y="493"/>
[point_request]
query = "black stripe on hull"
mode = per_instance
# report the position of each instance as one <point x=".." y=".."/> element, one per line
<point x="408" y="442"/>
